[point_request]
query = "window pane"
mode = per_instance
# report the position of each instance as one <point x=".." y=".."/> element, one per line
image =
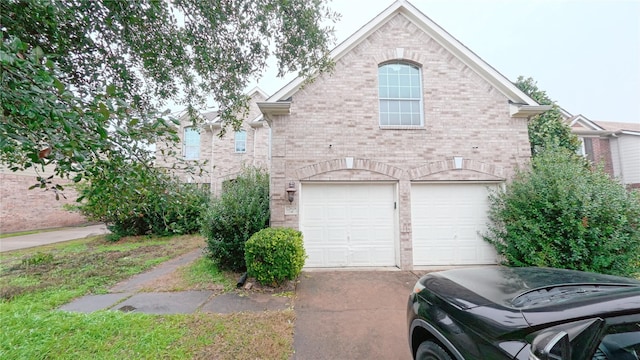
<point x="384" y="106"/>
<point x="392" y="80"/>
<point x="191" y="143"/>
<point x="415" y="118"/>
<point x="394" y="119"/>
<point x="400" y="91"/>
<point x="382" y="78"/>
<point x="405" y="107"/>
<point x="405" y="92"/>
<point x="384" y="118"/>
<point x="384" y="92"/>
<point x="241" y="141"/>
<point x="394" y="92"/>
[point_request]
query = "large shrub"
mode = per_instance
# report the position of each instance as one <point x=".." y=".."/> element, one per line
<point x="241" y="210"/>
<point x="274" y="255"/>
<point x="134" y="199"/>
<point x="564" y="214"/>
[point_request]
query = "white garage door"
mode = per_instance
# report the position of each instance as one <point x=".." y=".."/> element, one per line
<point x="447" y="221"/>
<point x="348" y="224"/>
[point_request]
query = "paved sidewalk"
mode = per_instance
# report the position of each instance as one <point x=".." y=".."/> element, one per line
<point x="129" y="296"/>
<point x="51" y="237"/>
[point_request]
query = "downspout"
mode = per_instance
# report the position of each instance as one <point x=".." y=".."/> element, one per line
<point x="212" y="182"/>
<point x="255" y="134"/>
<point x="619" y="159"/>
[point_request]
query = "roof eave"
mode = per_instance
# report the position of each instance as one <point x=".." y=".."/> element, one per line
<point x="527" y="111"/>
<point x="270" y="109"/>
<point x="436" y="32"/>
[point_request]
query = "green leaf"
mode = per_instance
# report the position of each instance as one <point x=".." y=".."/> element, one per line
<point x="111" y="90"/>
<point x="38" y="53"/>
<point x="102" y="108"/>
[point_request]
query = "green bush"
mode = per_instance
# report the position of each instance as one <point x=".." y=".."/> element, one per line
<point x="133" y="199"/>
<point x="241" y="210"/>
<point x="274" y="255"/>
<point x="564" y="214"/>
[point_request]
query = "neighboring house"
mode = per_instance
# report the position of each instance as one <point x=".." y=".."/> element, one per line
<point x="224" y="157"/>
<point x="22" y="209"/>
<point x="389" y="159"/>
<point x="614" y="145"/>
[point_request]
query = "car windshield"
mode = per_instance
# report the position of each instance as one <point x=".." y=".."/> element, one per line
<point x="560" y="293"/>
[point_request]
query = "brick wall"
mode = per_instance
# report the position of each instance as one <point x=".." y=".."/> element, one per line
<point x="602" y="154"/>
<point x="22" y="209"/>
<point x="226" y="163"/>
<point x="336" y="117"/>
<point x="217" y="154"/>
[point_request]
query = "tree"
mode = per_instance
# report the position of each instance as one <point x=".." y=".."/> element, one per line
<point x="82" y="79"/>
<point x="135" y="200"/>
<point x="241" y="210"/>
<point x="547" y="129"/>
<point x="563" y="214"/>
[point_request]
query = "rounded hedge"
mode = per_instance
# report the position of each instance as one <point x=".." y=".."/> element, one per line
<point x="273" y="255"/>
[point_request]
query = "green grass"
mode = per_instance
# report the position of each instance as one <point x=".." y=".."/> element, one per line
<point x="204" y="271"/>
<point x="35" y="282"/>
<point x="8" y="235"/>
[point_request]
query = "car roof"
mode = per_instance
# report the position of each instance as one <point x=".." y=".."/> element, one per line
<point x="527" y="287"/>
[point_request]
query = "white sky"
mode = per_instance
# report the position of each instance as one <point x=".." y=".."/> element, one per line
<point x="584" y="54"/>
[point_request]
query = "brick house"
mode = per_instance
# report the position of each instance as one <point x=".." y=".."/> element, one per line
<point x="223" y="157"/>
<point x="22" y="209"/>
<point x="614" y="145"/>
<point x="388" y="160"/>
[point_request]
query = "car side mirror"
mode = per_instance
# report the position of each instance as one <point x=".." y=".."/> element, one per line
<point x="551" y="346"/>
<point x="558" y="342"/>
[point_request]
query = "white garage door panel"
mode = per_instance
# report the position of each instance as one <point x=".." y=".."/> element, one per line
<point x="447" y="222"/>
<point x="348" y="224"/>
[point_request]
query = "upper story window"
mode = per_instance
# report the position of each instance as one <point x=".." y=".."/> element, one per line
<point x="241" y="141"/>
<point x="400" y="92"/>
<point x="191" y="143"/>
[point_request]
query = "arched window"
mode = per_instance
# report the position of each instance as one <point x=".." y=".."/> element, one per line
<point x="191" y="143"/>
<point x="400" y="93"/>
<point x="241" y="141"/>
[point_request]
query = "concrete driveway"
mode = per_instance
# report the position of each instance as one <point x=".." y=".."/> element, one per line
<point x="352" y="315"/>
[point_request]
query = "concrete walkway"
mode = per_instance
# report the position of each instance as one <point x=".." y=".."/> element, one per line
<point x="51" y="237"/>
<point x="129" y="296"/>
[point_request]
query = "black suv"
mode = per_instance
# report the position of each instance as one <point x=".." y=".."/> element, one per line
<point x="524" y="313"/>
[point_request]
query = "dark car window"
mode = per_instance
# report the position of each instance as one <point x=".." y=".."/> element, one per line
<point x="620" y="342"/>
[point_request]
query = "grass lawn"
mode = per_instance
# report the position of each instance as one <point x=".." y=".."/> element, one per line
<point x="35" y="282"/>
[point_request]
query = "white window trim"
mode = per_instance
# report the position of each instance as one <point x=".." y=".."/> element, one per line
<point x="236" y="141"/>
<point x="185" y="146"/>
<point x="421" y="100"/>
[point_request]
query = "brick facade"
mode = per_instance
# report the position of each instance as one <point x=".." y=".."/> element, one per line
<point x="218" y="159"/>
<point x="226" y="163"/>
<point x="337" y="117"/>
<point x="602" y="154"/>
<point x="22" y="209"/>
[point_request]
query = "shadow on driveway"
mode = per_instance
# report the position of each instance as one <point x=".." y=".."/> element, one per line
<point x="352" y="315"/>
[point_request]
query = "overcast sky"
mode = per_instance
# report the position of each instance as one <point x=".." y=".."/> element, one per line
<point x="584" y="54"/>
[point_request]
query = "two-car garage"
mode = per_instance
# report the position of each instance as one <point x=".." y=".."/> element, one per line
<point x="356" y="224"/>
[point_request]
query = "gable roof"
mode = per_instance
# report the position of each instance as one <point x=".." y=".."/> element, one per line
<point x="215" y="122"/>
<point x="581" y="125"/>
<point x="522" y="104"/>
